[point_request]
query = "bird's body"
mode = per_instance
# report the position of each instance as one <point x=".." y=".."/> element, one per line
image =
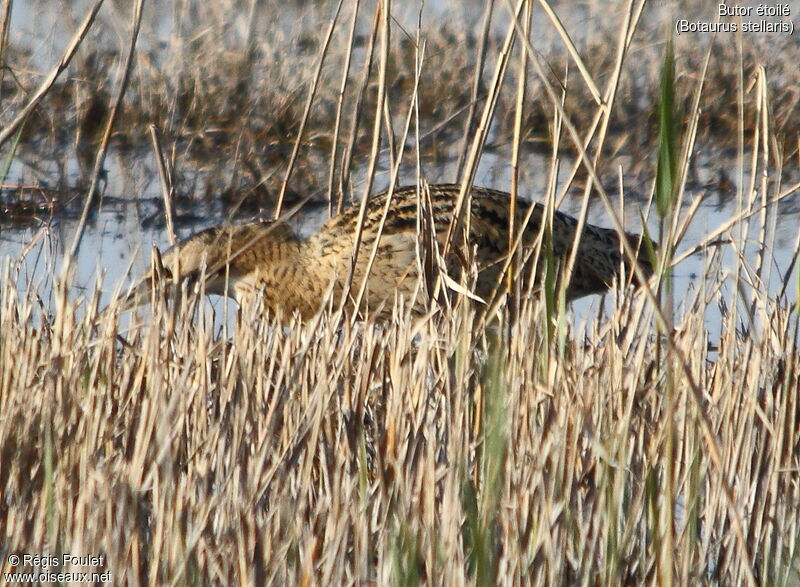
<point x="294" y="274"/>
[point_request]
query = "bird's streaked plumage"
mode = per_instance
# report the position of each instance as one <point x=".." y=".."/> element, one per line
<point x="293" y="274"/>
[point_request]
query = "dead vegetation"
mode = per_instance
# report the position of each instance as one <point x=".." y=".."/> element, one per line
<point x="430" y="450"/>
<point x="446" y="449"/>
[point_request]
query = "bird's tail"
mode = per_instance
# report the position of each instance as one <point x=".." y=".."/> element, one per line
<point x="601" y="261"/>
<point x="645" y="250"/>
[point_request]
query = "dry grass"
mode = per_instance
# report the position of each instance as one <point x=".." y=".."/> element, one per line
<point x="418" y="449"/>
<point x="445" y="448"/>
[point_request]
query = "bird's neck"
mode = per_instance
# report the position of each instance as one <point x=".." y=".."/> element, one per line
<point x="286" y="277"/>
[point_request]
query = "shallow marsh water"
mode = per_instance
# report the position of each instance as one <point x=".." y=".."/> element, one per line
<point x="116" y="245"/>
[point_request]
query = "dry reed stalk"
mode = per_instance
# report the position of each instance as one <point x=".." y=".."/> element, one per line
<point x="358" y="107"/>
<point x="336" y="209"/>
<point x="681" y="361"/>
<point x="47" y="84"/>
<point x="307" y="110"/>
<point x="167" y="186"/>
<point x="382" y="16"/>
<point x="211" y="449"/>
<point x="572" y="131"/>
<point x="515" y="150"/>
<point x="461" y="214"/>
<point x="136" y="21"/>
<point x="477" y="76"/>
<point x="395" y="170"/>
<point x="5" y="27"/>
<point x="338" y="452"/>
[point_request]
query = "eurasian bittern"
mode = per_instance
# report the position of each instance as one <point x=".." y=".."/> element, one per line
<point x="293" y="274"/>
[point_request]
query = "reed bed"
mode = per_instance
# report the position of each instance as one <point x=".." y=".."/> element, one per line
<point x="417" y="449"/>
<point x="510" y="443"/>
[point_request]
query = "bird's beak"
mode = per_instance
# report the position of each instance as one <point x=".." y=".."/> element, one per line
<point x="140" y="295"/>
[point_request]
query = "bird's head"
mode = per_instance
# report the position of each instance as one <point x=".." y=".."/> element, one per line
<point x="209" y="257"/>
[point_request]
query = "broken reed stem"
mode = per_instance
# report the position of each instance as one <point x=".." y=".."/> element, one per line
<point x="167" y="188"/>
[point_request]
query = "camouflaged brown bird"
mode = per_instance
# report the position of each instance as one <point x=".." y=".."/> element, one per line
<point x="297" y="275"/>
